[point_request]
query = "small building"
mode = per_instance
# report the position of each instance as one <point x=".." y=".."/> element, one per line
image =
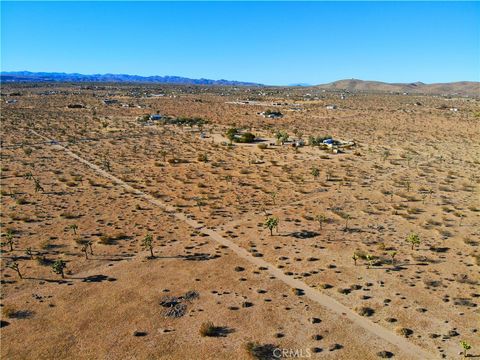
<point x="331" y="107"/>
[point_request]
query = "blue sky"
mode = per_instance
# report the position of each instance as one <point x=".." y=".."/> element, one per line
<point x="268" y="42"/>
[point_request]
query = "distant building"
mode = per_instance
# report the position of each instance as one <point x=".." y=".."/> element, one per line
<point x="331" y="107"/>
<point x="156" y="117"/>
<point x="110" y="101"/>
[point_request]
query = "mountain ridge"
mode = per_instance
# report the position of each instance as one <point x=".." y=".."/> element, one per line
<point x="28" y="76"/>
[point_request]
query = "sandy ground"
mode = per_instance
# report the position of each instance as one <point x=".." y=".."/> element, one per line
<point x="205" y="204"/>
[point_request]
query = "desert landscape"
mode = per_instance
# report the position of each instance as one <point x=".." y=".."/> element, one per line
<point x="147" y="221"/>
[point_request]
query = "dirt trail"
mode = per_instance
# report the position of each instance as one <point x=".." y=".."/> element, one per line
<point x="326" y="301"/>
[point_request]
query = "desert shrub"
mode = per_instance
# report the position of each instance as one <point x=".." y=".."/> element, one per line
<point x="262" y="146"/>
<point x="260" y="352"/>
<point x="246" y="138"/>
<point x="8" y="311"/>
<point x="202" y="157"/>
<point x="365" y="311"/>
<point x="208" y="329"/>
<point x="22" y="201"/>
<point x="405" y="332"/>
<point x="68" y="215"/>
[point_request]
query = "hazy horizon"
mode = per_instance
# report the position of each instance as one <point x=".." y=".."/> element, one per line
<point x="237" y="80"/>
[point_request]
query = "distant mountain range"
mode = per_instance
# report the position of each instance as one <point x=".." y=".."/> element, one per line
<point x="470" y="88"/>
<point x="27" y="76"/>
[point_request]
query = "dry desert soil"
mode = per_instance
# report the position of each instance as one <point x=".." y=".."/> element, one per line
<point x="97" y="187"/>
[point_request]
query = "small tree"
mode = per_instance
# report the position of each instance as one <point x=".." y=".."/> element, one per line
<point x="14" y="266"/>
<point x="385" y="155"/>
<point x="355" y="258"/>
<point x="84" y="245"/>
<point x="231" y="134"/>
<point x="346" y="217"/>
<point x="29" y="252"/>
<point x="413" y="239"/>
<point x="74" y="228"/>
<point x="392" y="255"/>
<point x="10" y="239"/>
<point x="271" y="223"/>
<point x="321" y="219"/>
<point x="370" y="260"/>
<point x="200" y="202"/>
<point x="38" y="187"/>
<point x="273" y="195"/>
<point x="282" y="137"/>
<point x="147" y="244"/>
<point x="315" y="172"/>
<point x="58" y="267"/>
<point x="465" y="346"/>
<point x="329" y="174"/>
<point x="163" y="154"/>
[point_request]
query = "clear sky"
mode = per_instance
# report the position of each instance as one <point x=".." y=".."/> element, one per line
<point x="275" y="43"/>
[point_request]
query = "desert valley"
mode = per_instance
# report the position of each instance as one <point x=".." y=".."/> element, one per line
<point x="146" y="221"/>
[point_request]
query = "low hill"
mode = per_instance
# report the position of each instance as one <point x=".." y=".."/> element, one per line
<point x="463" y="88"/>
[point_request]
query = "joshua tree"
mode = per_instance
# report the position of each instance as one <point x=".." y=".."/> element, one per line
<point x="200" y="203"/>
<point x="385" y="155"/>
<point x="407" y="185"/>
<point x="347" y="217"/>
<point x="84" y="244"/>
<point x="58" y="267"/>
<point x="271" y="223"/>
<point x="321" y="219"/>
<point x="424" y="196"/>
<point x="163" y="154"/>
<point x="147" y="244"/>
<point x="106" y="164"/>
<point x="329" y="174"/>
<point x="370" y="259"/>
<point x="29" y="252"/>
<point x="409" y="158"/>
<point x="465" y="346"/>
<point x="10" y="239"/>
<point x="14" y="266"/>
<point x="355" y="258"/>
<point x="273" y="195"/>
<point x="414" y="239"/>
<point x="74" y="228"/>
<point x="282" y="136"/>
<point x="231" y="134"/>
<point x="392" y="255"/>
<point x="38" y="186"/>
<point x="315" y="172"/>
<point x="90" y="246"/>
<point x="36" y="183"/>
